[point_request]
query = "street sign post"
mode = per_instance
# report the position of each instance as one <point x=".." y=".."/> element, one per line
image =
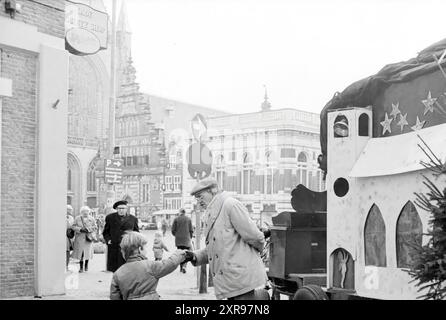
<point x="113" y="171"/>
<point x="199" y="159"/>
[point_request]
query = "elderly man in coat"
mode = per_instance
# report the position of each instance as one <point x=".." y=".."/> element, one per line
<point x="233" y="245"/>
<point x="183" y="232"/>
<point x="116" y="224"/>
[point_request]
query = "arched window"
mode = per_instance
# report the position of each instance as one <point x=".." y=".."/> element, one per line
<point x="363" y="129"/>
<point x="69" y="184"/>
<point x="302" y="169"/>
<point x="91" y="177"/>
<point x="375" y="238"/>
<point x="73" y="181"/>
<point x="302" y="157"/>
<point x="409" y="236"/>
<point x="340" y="127"/>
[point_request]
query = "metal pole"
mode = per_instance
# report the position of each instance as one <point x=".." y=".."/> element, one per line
<point x="110" y="193"/>
<point x="111" y="129"/>
<point x="201" y="274"/>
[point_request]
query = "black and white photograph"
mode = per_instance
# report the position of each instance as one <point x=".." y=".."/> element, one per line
<point x="239" y="151"/>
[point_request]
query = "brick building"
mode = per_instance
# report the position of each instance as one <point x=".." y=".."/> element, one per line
<point x="33" y="130"/>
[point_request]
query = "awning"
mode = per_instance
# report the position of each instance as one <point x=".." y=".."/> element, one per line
<point x="400" y="153"/>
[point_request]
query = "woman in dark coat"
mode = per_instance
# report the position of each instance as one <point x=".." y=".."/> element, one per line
<point x="116" y="224"/>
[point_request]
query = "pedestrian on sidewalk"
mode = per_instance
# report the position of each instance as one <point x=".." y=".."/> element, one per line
<point x="138" y="278"/>
<point x="116" y="224"/>
<point x="164" y="226"/>
<point x="183" y="232"/>
<point x="70" y="234"/>
<point x="233" y="245"/>
<point x="159" y="246"/>
<point x="84" y="227"/>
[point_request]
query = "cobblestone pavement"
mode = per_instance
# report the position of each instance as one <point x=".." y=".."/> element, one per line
<point x="95" y="284"/>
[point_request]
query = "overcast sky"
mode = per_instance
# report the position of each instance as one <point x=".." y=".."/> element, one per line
<point x="220" y="53"/>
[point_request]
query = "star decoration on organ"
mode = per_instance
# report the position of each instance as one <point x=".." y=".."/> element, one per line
<point x="403" y="122"/>
<point x="395" y="110"/>
<point x="386" y="124"/>
<point x="419" y="125"/>
<point x="429" y="103"/>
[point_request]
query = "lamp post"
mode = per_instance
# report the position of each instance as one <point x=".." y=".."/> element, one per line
<point x="110" y="193"/>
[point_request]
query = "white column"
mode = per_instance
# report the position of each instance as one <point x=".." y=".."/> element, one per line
<point x="51" y="178"/>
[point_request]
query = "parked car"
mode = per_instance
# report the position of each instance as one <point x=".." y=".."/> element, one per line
<point x="150" y="226"/>
<point x="143" y="225"/>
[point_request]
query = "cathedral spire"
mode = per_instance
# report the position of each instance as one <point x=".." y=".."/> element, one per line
<point x="123" y="21"/>
<point x="266" y="105"/>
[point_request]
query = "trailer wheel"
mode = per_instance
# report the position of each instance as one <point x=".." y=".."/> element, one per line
<point x="310" y="292"/>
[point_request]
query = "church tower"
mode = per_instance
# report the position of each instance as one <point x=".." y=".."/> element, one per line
<point x="348" y="132"/>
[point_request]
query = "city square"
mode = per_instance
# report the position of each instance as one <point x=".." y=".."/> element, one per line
<point x="190" y="150"/>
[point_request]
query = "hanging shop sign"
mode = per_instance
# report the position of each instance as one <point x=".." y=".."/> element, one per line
<point x="86" y="29"/>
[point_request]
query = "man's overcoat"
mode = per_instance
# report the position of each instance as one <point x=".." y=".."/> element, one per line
<point x="233" y="246"/>
<point x="114" y="229"/>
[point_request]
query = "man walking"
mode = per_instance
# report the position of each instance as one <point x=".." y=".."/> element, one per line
<point x="116" y="224"/>
<point x="233" y="245"/>
<point x="183" y="232"/>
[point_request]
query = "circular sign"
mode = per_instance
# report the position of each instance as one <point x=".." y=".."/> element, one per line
<point x="81" y="42"/>
<point x="199" y="159"/>
<point x="198" y="126"/>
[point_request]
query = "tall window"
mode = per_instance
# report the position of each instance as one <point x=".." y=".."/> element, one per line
<point x="168" y="182"/>
<point x="363" y="129"/>
<point x="69" y="182"/>
<point x="172" y="161"/>
<point x="375" y="238"/>
<point x="91" y="177"/>
<point x="176" y="183"/>
<point x="269" y="173"/>
<point x="409" y="236"/>
<point x="247" y="173"/>
<point x="302" y="170"/>
<point x="146" y="192"/>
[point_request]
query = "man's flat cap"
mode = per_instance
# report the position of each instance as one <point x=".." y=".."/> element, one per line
<point x="119" y="203"/>
<point x="203" y="185"/>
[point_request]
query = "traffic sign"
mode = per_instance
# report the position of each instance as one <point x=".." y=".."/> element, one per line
<point x="199" y="159"/>
<point x="113" y="171"/>
<point x="199" y="126"/>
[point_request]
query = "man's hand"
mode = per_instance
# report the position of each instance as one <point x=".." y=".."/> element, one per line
<point x="190" y="256"/>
